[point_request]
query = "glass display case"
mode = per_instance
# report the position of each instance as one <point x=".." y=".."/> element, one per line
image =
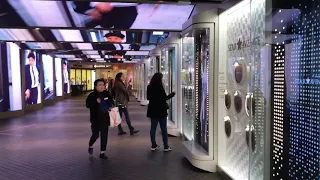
<point x="188" y="84"/>
<point x="201" y="37"/>
<point x="168" y="70"/>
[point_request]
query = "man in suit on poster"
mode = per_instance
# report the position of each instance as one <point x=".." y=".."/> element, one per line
<point x="32" y="79"/>
<point x="65" y="78"/>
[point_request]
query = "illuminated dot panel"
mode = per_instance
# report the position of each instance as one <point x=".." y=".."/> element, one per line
<point x="304" y="88"/>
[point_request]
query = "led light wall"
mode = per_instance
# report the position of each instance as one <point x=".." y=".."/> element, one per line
<point x="296" y="101"/>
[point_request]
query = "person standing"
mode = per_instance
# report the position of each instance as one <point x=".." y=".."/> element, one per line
<point x="121" y="96"/>
<point x="32" y="80"/>
<point x="157" y="110"/>
<point x="65" y="78"/>
<point x="99" y="102"/>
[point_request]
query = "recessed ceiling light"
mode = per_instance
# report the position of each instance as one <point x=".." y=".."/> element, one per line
<point x="37" y="29"/>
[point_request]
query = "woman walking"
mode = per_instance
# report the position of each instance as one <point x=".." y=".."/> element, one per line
<point x="121" y="96"/>
<point x="157" y="110"/>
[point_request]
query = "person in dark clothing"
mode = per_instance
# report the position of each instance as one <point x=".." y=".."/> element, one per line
<point x="121" y="96"/>
<point x="99" y="102"/>
<point x="157" y="110"/>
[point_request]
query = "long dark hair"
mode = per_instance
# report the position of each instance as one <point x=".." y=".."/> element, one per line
<point x="156" y="80"/>
<point x="118" y="79"/>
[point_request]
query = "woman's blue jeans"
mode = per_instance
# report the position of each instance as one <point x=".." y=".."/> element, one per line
<point x="163" y="127"/>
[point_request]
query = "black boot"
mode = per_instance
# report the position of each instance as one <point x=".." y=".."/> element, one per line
<point x="103" y="156"/>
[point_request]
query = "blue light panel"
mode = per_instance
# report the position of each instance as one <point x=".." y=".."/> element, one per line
<point x="304" y="90"/>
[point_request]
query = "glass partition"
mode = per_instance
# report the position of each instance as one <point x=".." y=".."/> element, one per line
<point x="168" y="71"/>
<point x="188" y="84"/>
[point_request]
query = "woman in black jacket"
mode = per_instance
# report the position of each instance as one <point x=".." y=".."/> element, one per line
<point x="99" y="102"/>
<point x="157" y="110"/>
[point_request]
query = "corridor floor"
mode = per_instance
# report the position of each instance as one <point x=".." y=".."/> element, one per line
<point x="51" y="144"/>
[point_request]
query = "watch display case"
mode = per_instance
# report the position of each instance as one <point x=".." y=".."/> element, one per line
<point x="168" y="71"/>
<point x="201" y="37"/>
<point x="188" y="84"/>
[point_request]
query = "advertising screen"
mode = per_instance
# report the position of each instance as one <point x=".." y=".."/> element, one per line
<point x="47" y="64"/>
<point x="58" y="69"/>
<point x="66" y="77"/>
<point x="33" y="78"/>
<point x="98" y="14"/>
<point x="10" y="78"/>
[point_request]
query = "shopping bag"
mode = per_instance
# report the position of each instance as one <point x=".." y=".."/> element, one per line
<point x="115" y="118"/>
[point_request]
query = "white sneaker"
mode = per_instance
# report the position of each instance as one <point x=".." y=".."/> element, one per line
<point x="167" y="149"/>
<point x="155" y="148"/>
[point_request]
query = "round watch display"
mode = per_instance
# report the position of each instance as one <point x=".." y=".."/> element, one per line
<point x="227" y="126"/>
<point x="227" y="99"/>
<point x="237" y="102"/>
<point x="251" y="135"/>
<point x="238" y="72"/>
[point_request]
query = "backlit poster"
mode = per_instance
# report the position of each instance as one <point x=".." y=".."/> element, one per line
<point x="58" y="69"/>
<point x="10" y="78"/>
<point x="89" y="80"/>
<point x="33" y="78"/>
<point x="66" y="77"/>
<point x="47" y="64"/>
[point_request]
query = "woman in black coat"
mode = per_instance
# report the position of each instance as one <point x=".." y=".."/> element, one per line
<point x="157" y="110"/>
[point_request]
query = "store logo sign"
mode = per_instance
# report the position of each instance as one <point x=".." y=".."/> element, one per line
<point x="243" y="44"/>
<point x="101" y="66"/>
<point x="315" y="80"/>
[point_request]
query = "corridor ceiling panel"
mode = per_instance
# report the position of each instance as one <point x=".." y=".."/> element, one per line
<point x="92" y="15"/>
<point x="88" y="36"/>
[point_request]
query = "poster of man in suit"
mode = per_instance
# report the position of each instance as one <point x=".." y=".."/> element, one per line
<point x="32" y="79"/>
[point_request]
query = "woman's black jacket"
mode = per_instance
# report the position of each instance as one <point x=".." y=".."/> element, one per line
<point x="97" y="116"/>
<point x="157" y="97"/>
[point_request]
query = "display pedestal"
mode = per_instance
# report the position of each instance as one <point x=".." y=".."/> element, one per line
<point x="198" y="157"/>
<point x="173" y="130"/>
<point x="144" y="103"/>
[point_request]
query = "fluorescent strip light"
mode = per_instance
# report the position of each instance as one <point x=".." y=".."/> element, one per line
<point x="137" y="53"/>
<point x="15" y="35"/>
<point x="86" y="46"/>
<point x="93" y="37"/>
<point x="94" y="56"/>
<point x="71" y="35"/>
<point x="157" y="33"/>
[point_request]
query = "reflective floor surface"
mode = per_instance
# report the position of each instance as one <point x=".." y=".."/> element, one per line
<point x="51" y="144"/>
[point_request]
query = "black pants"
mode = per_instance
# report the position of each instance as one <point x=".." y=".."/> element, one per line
<point x="65" y="88"/>
<point x="103" y="130"/>
<point x="33" y="99"/>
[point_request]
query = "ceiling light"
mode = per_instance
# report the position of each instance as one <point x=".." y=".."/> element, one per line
<point x="157" y="33"/>
<point x="93" y="37"/>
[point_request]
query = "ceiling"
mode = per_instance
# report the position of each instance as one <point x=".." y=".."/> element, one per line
<point x="91" y="31"/>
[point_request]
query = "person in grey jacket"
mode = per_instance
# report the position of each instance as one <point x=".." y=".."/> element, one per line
<point x="121" y="96"/>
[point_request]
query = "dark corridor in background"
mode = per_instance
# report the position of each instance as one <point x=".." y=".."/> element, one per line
<point x="4" y="91"/>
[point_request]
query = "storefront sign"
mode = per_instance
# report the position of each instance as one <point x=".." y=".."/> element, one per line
<point x="243" y="43"/>
<point x="101" y="66"/>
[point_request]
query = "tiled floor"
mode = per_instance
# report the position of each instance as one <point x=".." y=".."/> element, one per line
<point x="51" y="144"/>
